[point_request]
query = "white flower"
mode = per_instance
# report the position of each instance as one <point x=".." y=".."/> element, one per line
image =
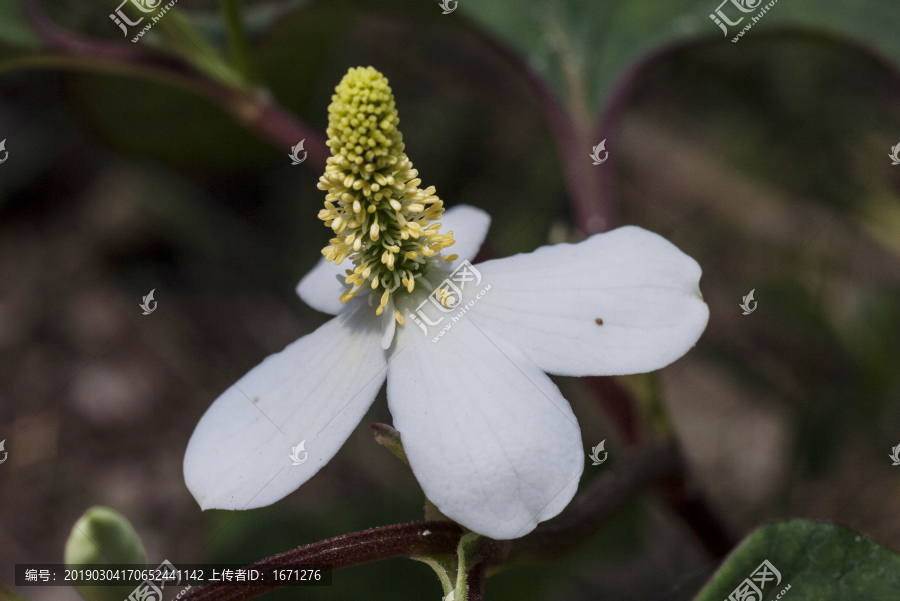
<point x="488" y="435"/>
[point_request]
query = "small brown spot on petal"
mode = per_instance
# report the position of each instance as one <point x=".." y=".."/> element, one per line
<point x="598" y="321"/>
<point x="256" y="399"/>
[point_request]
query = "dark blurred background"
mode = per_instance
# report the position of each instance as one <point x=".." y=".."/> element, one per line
<point x="764" y="160"/>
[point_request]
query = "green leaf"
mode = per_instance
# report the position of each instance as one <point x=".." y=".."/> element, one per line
<point x="820" y="562"/>
<point x="584" y="46"/>
<point x="14" y="27"/>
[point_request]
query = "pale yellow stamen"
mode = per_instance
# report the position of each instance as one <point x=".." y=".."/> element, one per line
<point x="386" y="224"/>
<point x="444" y="297"/>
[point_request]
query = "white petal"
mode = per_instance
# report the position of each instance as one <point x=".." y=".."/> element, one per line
<point x="322" y="287"/>
<point x="489" y="437"/>
<point x="643" y="288"/>
<point x="469" y="226"/>
<point x="316" y="390"/>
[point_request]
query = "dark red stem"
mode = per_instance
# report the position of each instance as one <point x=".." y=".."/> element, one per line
<point x="593" y="211"/>
<point x="618" y="404"/>
<point x="401" y="540"/>
<point x="475" y="578"/>
<point x="693" y="508"/>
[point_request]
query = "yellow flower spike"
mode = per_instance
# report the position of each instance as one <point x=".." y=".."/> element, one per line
<point x="398" y="317"/>
<point x="373" y="191"/>
<point x="449" y="258"/>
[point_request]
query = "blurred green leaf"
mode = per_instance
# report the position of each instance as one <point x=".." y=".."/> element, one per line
<point x="154" y="121"/>
<point x="584" y="46"/>
<point x="182" y="37"/>
<point x="14" y="27"/>
<point x="820" y="562"/>
<point x="7" y="595"/>
<point x="104" y="536"/>
<point x="258" y="19"/>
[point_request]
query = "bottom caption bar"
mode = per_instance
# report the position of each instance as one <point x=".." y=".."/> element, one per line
<point x="154" y="579"/>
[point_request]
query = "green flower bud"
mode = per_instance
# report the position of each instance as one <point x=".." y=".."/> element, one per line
<point x="104" y="536"/>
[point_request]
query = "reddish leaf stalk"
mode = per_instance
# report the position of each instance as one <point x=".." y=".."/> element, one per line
<point x="256" y="109"/>
<point x="401" y="540"/>
<point x="593" y="211"/>
<point x="618" y="404"/>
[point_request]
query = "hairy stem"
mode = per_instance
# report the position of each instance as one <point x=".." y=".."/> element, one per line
<point x="475" y="578"/>
<point x="402" y="540"/>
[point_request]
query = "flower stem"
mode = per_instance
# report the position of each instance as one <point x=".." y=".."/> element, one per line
<point x="476" y="579"/>
<point x="237" y="39"/>
<point x="588" y="512"/>
<point x="401" y="540"/>
<point x="442" y="569"/>
<point x="465" y="548"/>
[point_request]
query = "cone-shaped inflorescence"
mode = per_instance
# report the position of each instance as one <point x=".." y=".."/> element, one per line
<point x="379" y="214"/>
